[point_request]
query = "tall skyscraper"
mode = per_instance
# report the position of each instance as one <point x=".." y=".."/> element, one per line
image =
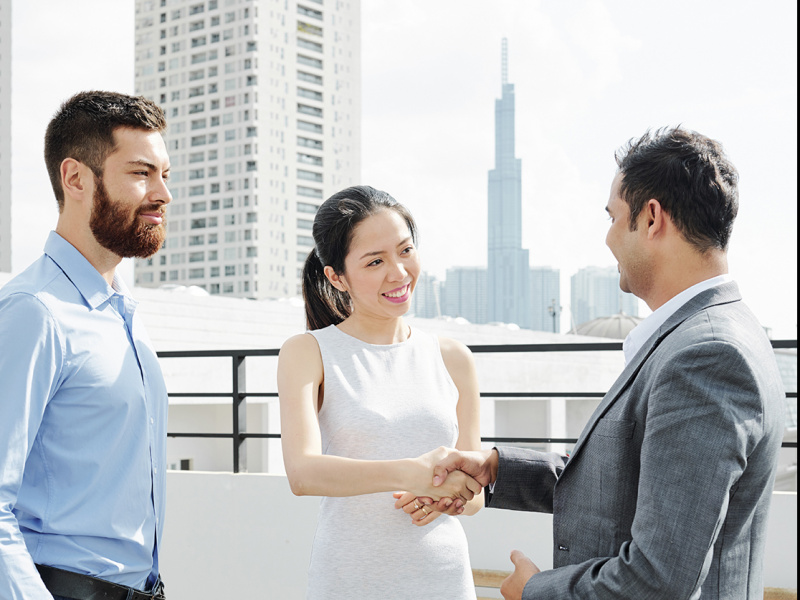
<point x="5" y="135"/>
<point x="426" y="299"/>
<point x="509" y="299"/>
<point x="263" y="103"/>
<point x="595" y="293"/>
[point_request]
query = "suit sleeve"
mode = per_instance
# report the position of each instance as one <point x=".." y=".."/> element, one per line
<point x="30" y="359"/>
<point x="525" y="479"/>
<point x="704" y="415"/>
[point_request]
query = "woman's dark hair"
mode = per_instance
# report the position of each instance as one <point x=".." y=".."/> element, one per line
<point x="690" y="176"/>
<point x="333" y="229"/>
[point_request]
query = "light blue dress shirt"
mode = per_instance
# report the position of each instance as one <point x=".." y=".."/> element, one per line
<point x="83" y="417"/>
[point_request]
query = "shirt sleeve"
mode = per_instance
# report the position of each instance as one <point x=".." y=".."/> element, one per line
<point x="31" y="355"/>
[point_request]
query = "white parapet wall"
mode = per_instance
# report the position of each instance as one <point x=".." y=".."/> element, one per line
<point x="246" y="536"/>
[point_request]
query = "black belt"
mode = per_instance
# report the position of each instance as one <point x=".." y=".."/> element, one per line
<point x="84" y="587"/>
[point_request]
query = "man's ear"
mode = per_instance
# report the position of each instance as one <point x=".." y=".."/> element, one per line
<point x="336" y="280"/>
<point x="74" y="178"/>
<point x="655" y="218"/>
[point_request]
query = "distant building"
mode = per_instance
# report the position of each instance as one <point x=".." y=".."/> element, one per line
<point x="263" y="105"/>
<point x="508" y="286"/>
<point x="464" y="294"/>
<point x="5" y="135"/>
<point x="595" y="293"/>
<point x="425" y="301"/>
<point x="545" y="284"/>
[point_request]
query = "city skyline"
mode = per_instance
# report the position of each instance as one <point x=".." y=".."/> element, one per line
<point x="588" y="77"/>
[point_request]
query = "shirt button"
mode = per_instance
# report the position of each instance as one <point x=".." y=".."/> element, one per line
<point x="563" y="548"/>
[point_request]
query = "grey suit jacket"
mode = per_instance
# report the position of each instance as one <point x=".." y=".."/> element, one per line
<point x="667" y="490"/>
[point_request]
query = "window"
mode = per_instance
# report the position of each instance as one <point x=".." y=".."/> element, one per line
<point x="308" y="45"/>
<point x="196" y="91"/>
<point x="198" y="207"/>
<point x="302" y="224"/>
<point x="198" y="58"/>
<point x="308" y="61"/>
<point x="196" y="157"/>
<point x="309" y="29"/>
<point x="198" y="224"/>
<point x="312" y="127"/>
<point x="309" y="110"/>
<point x="196" y="9"/>
<point x="196" y="74"/>
<point x="304" y="93"/>
<point x="305" y="240"/>
<point x="305" y="207"/>
<point x="252" y="251"/>
<point x="310" y="192"/>
<point x="196" y="108"/>
<point x="230" y="134"/>
<point x="198" y="123"/>
<point x="227" y="203"/>
<point x="196" y="173"/>
<point x="308" y="143"/>
<point x="230" y="219"/>
<point x="303" y="76"/>
<point x="227" y="288"/>
<point x="252" y="132"/>
<point x="196" y="256"/>
<point x="215" y="205"/>
<point x="196" y="273"/>
<point x="195" y="25"/>
<point x="309" y="175"/>
<point x="230" y="270"/>
<point x="307" y="159"/>
<point x="197" y="190"/>
<point x="198" y="140"/>
<point x="199" y="41"/>
<point x="252" y="217"/>
<point x="251" y="165"/>
<point x="196" y="240"/>
<point x="308" y="12"/>
<point x="213" y="272"/>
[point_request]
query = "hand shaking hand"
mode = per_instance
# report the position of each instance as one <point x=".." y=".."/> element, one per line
<point x="513" y="585"/>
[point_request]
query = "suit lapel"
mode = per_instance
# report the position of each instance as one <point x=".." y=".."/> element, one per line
<point x="721" y="294"/>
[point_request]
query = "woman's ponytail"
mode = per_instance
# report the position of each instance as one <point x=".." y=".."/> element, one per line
<point x="325" y="305"/>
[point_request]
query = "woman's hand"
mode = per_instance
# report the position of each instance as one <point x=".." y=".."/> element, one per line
<point x="422" y="510"/>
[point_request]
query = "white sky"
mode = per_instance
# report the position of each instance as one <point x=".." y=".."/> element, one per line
<point x="589" y="75"/>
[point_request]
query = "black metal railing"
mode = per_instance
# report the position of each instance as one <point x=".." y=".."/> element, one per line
<point x="239" y="395"/>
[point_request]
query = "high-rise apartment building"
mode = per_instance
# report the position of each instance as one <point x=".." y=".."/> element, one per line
<point x="5" y="135"/>
<point x="596" y="293"/>
<point x="507" y="275"/>
<point x="262" y="98"/>
<point x="425" y="302"/>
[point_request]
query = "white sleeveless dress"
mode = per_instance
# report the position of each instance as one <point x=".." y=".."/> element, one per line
<point x="384" y="402"/>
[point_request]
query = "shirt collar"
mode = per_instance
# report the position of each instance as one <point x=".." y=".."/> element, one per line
<point x="642" y="332"/>
<point x="88" y="281"/>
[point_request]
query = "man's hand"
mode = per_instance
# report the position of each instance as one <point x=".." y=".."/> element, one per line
<point x="514" y="584"/>
<point x="480" y="464"/>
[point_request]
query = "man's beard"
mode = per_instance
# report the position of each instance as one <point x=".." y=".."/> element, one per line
<point x="113" y="228"/>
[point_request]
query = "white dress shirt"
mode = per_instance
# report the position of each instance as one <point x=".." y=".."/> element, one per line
<point x="642" y="332"/>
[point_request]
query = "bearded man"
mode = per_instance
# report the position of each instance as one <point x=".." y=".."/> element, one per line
<point x="83" y="405"/>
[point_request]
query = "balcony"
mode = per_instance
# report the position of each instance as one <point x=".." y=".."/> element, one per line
<point x="232" y="534"/>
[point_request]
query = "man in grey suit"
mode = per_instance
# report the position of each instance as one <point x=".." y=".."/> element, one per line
<point x="667" y="490"/>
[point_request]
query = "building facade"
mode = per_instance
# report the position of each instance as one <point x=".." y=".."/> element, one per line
<point x="595" y="293"/>
<point x="545" y="284"/>
<point x="464" y="294"/>
<point x="262" y="98"/>
<point x="426" y="300"/>
<point x="5" y="135"/>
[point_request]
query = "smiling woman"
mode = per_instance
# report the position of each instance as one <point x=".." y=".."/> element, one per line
<point x="365" y="402"/>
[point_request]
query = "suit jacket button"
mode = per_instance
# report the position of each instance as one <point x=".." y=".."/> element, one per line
<point x="563" y="548"/>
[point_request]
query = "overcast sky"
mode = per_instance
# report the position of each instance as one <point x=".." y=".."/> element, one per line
<point x="589" y="75"/>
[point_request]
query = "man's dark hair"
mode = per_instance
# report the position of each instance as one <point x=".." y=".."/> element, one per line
<point x="83" y="129"/>
<point x="690" y="176"/>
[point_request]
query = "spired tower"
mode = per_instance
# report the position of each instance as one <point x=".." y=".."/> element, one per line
<point x="508" y="287"/>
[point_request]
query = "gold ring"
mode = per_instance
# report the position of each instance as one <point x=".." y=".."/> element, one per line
<point x="425" y="511"/>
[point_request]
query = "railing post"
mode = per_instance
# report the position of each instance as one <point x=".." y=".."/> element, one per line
<point x="239" y="414"/>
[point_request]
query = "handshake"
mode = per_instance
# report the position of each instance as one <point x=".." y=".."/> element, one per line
<point x="444" y="480"/>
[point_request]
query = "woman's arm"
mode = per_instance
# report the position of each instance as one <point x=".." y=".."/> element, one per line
<point x="461" y="366"/>
<point x="300" y="377"/>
